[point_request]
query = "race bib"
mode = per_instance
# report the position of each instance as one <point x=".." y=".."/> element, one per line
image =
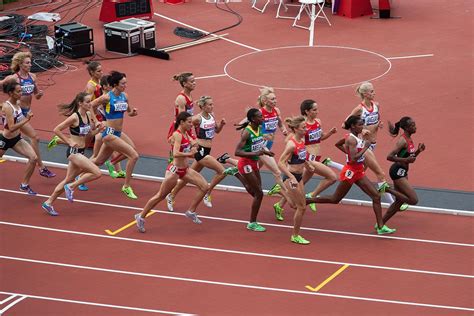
<point x="349" y="174"/>
<point x="401" y="172"/>
<point x="258" y="145"/>
<point x="271" y="125"/>
<point x="84" y="130"/>
<point x="247" y="169"/>
<point x="210" y="133"/>
<point x="172" y="169"/>
<point x="27" y="89"/>
<point x="314" y="135"/>
<point x="302" y="154"/>
<point x="109" y="130"/>
<point x="372" y="119"/>
<point x="120" y="106"/>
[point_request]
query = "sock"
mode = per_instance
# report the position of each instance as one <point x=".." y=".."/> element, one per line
<point x="335" y="165"/>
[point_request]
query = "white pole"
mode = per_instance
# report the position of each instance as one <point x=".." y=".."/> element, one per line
<point x="311" y="26"/>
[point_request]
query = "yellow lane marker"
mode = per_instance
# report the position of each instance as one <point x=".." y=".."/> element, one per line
<point x="113" y="233"/>
<point x="335" y="274"/>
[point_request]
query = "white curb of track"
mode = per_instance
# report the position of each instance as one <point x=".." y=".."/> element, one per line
<point x="232" y="188"/>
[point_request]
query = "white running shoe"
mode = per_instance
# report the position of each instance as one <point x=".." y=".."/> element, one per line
<point x="193" y="216"/>
<point x="170" y="202"/>
<point x="207" y="200"/>
<point x="140" y="223"/>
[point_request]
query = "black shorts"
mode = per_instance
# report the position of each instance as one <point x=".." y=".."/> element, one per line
<point x="202" y="152"/>
<point x="6" y="143"/>
<point x="398" y="171"/>
<point x="73" y="150"/>
<point x="298" y="176"/>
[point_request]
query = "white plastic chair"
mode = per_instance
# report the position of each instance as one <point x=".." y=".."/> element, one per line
<point x="310" y="7"/>
<point x="285" y="6"/>
<point x="254" y="5"/>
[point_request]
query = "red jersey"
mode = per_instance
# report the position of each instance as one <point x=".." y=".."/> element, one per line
<point x="313" y="133"/>
<point x="270" y="121"/>
<point x="189" y="107"/>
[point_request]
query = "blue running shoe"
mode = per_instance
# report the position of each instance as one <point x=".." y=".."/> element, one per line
<point x="49" y="209"/>
<point x="69" y="193"/>
<point x="82" y="187"/>
<point x="26" y="188"/>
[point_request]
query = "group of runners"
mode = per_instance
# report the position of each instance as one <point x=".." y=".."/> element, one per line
<point x="97" y="113"/>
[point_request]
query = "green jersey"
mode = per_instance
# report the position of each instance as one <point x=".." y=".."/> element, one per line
<point x="255" y="142"/>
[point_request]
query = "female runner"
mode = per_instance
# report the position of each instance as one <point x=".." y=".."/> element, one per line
<point x="183" y="149"/>
<point x="116" y="103"/>
<point x="206" y="127"/>
<point x="81" y="123"/>
<point x="13" y="121"/>
<point x="292" y="163"/>
<point x="250" y="148"/>
<point x="402" y="156"/>
<point x="353" y="172"/>
<point x="21" y="66"/>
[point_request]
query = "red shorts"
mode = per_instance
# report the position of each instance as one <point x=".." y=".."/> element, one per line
<point x="352" y="173"/>
<point x="247" y="165"/>
<point x="181" y="172"/>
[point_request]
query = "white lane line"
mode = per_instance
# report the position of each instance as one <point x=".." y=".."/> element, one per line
<point x="413" y="56"/>
<point x="21" y="298"/>
<point x="7" y="299"/>
<point x="448" y="243"/>
<point x="255" y="287"/>
<point x="231" y="188"/>
<point x="96" y="304"/>
<point x="246" y="253"/>
<point x="193" y="27"/>
<point x="212" y="76"/>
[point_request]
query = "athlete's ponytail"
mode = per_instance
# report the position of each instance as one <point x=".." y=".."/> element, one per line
<point x="250" y="116"/>
<point x="182" y="78"/>
<point x="402" y="123"/>
<point x="68" y="109"/>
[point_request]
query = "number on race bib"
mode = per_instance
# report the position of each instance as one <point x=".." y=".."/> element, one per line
<point x="349" y="174"/>
<point x="173" y="169"/>
<point x="401" y="172"/>
<point x="247" y="169"/>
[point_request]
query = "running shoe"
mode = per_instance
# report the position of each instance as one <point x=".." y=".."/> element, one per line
<point x="193" y="216"/>
<point x="49" y="209"/>
<point x="274" y="190"/>
<point x="82" y="187"/>
<point x="129" y="192"/>
<point x="404" y="207"/>
<point x="111" y="169"/>
<point x="207" y="200"/>
<point x="384" y="230"/>
<point x="326" y="161"/>
<point x="312" y="206"/>
<point x="121" y="174"/>
<point x="69" y="193"/>
<point x="231" y="171"/>
<point x="383" y="187"/>
<point x="256" y="227"/>
<point x="140" y="223"/>
<point x="170" y="202"/>
<point x="26" y="188"/>
<point x="278" y="211"/>
<point x="46" y="173"/>
<point x="53" y="142"/>
<point x="299" y="240"/>
<point x="223" y="158"/>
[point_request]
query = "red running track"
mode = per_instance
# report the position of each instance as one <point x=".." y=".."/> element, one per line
<point x="219" y="268"/>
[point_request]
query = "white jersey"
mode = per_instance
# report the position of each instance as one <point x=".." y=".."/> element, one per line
<point x="370" y="117"/>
